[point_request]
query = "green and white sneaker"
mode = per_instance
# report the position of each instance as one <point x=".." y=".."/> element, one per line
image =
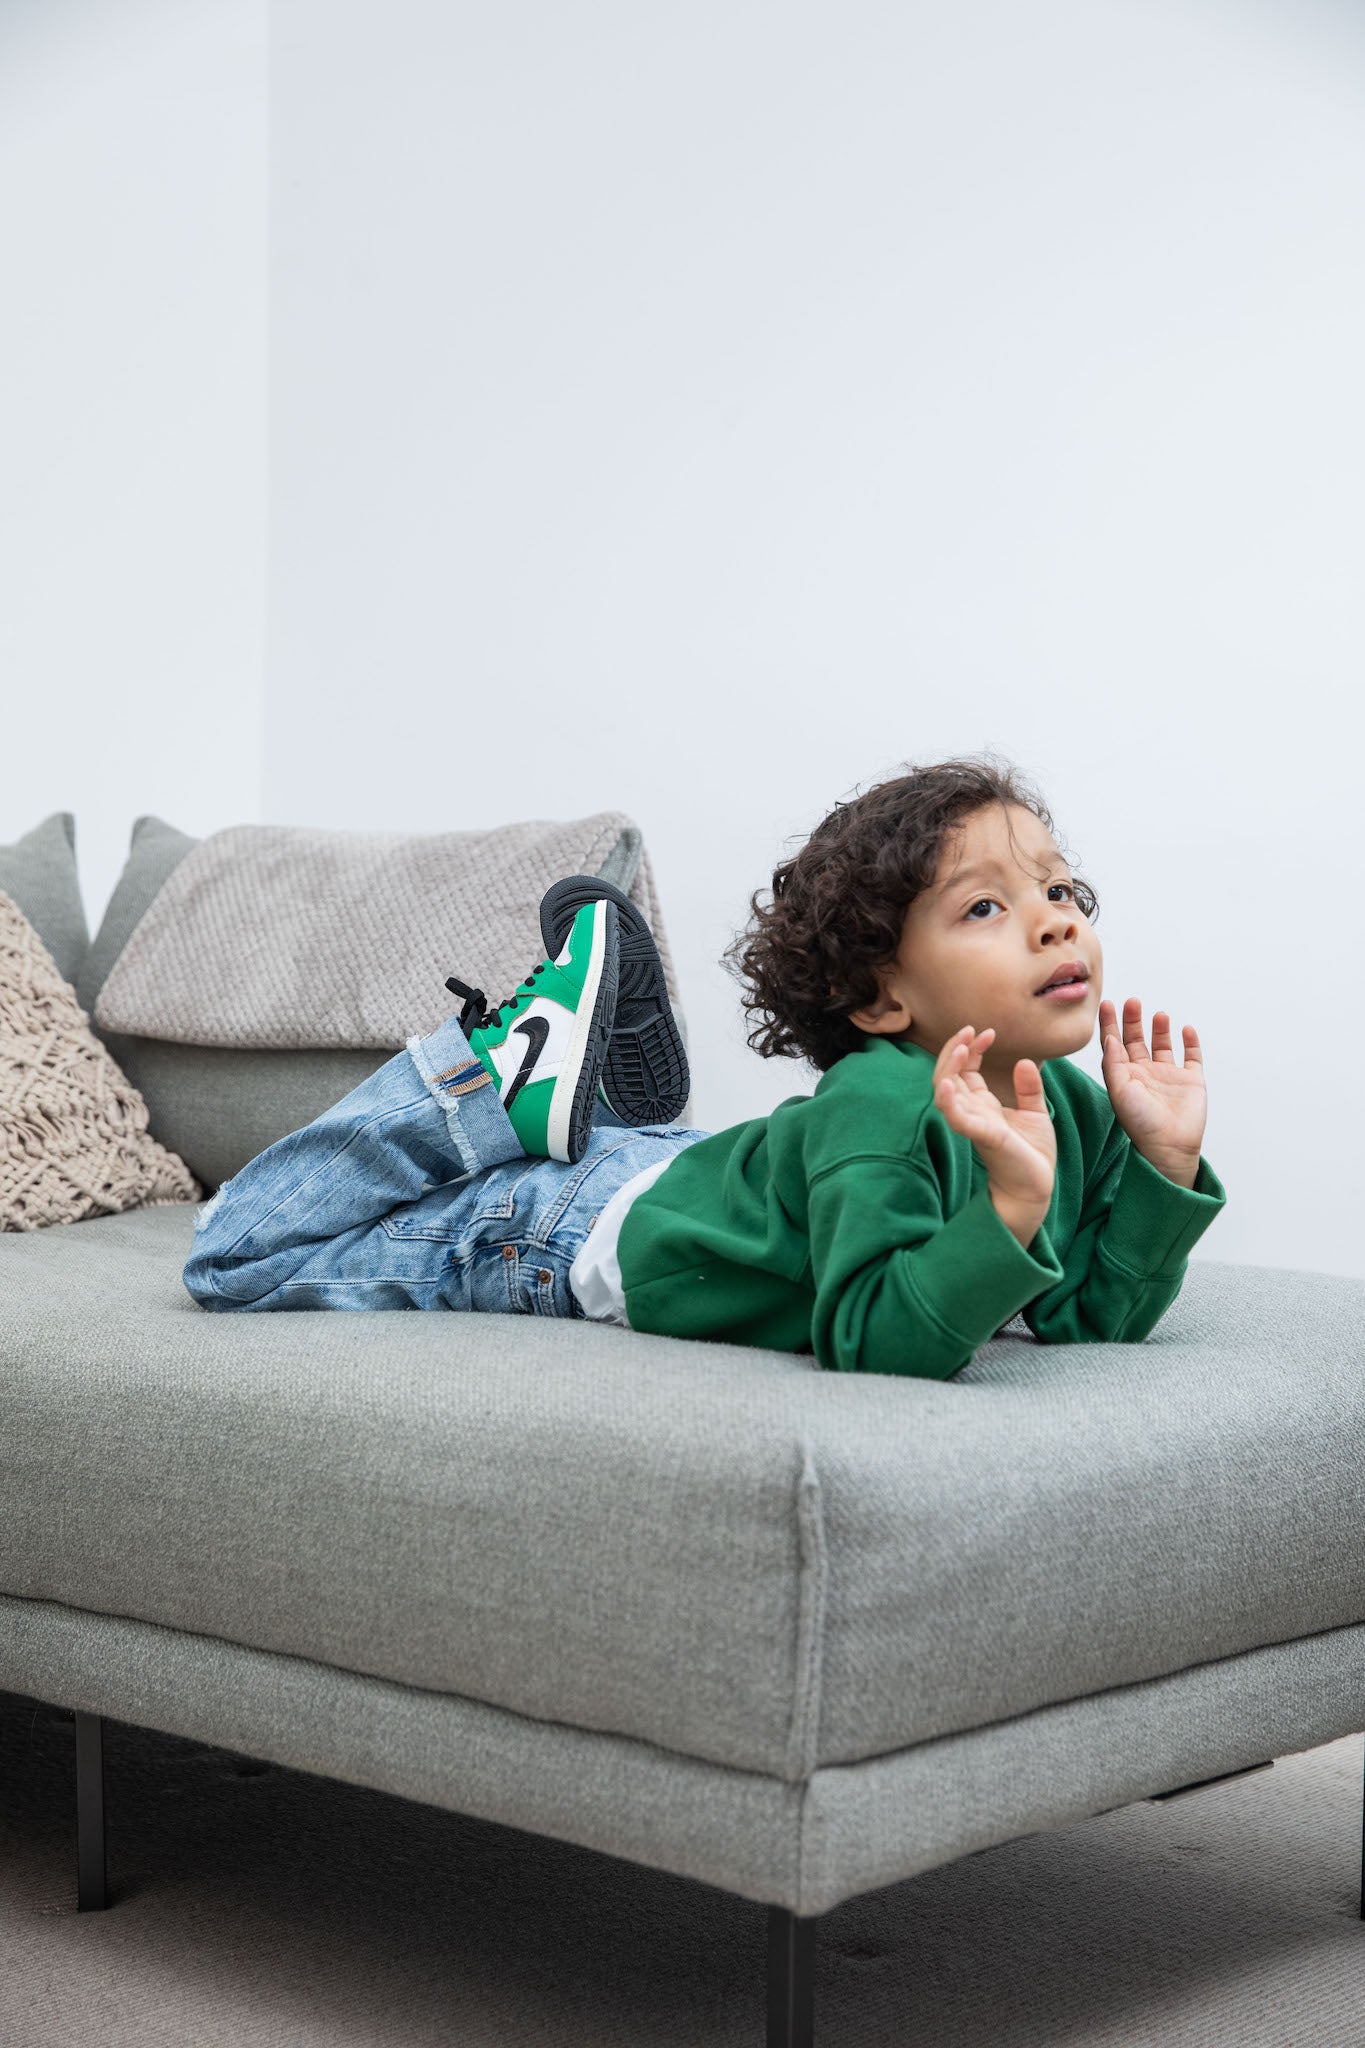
<point x="544" y="1046"/>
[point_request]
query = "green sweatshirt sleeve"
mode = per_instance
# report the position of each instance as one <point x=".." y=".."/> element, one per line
<point x="1126" y="1262"/>
<point x="898" y="1289"/>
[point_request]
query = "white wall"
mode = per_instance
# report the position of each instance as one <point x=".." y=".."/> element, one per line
<point x="132" y="418"/>
<point x="708" y="410"/>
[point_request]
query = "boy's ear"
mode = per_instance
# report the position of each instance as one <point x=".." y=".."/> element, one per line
<point x="867" y="1021"/>
<point x="887" y="1013"/>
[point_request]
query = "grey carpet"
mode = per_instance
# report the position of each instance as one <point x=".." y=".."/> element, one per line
<point x="255" y="1907"/>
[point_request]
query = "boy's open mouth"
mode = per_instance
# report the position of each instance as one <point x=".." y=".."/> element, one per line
<point x="1070" y="979"/>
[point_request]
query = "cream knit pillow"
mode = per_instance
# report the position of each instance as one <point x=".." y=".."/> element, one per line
<point x="73" y="1129"/>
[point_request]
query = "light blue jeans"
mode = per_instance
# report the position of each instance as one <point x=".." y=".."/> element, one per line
<point x="413" y="1191"/>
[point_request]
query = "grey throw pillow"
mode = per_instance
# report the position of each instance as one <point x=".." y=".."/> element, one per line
<point x="155" y="850"/>
<point x="39" y="872"/>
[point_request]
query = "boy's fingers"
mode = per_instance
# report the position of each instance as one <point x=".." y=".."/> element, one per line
<point x="961" y="1110"/>
<point x="970" y="1126"/>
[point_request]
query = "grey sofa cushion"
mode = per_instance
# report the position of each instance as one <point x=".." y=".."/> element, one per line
<point x="39" y="871"/>
<point x="712" y="1548"/>
<point x="506" y="1509"/>
<point x="218" y="1106"/>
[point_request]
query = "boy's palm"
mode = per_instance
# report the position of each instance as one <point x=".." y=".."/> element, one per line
<point x="1162" y="1106"/>
<point x="1018" y="1147"/>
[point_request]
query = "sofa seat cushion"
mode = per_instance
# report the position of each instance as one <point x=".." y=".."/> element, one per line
<point x="712" y="1548"/>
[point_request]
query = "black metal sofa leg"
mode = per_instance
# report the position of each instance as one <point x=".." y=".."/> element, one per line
<point x="791" y="1979"/>
<point x="91" y="1887"/>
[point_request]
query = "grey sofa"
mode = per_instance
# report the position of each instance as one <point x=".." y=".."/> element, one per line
<point x="704" y="1607"/>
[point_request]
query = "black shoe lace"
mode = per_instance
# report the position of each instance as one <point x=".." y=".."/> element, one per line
<point x="476" y="1016"/>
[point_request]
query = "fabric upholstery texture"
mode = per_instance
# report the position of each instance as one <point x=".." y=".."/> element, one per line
<point x="74" y="1141"/>
<point x="843" y="1565"/>
<point x="293" y="936"/>
<point x="218" y="1106"/>
<point x="848" y="1829"/>
<point x="39" y="872"/>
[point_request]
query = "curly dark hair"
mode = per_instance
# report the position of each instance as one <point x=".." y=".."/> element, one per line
<point x="839" y="905"/>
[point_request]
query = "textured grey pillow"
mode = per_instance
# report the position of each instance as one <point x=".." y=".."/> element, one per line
<point x="39" y="872"/>
<point x="218" y="1106"/>
<point x="275" y="937"/>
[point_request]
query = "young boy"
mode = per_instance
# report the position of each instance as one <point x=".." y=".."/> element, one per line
<point x="950" y="1169"/>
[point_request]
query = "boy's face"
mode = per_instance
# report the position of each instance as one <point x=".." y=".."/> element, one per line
<point x="999" y="920"/>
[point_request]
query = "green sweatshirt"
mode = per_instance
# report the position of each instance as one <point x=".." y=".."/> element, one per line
<point x="857" y="1223"/>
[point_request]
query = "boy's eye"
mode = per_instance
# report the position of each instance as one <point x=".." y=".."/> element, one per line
<point x="991" y="899"/>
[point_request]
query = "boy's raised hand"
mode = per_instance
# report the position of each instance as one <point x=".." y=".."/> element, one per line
<point x="1018" y="1147"/>
<point x="1162" y="1106"/>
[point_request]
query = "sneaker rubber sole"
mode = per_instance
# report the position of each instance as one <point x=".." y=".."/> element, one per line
<point x="645" y="1077"/>
<point x="598" y="1024"/>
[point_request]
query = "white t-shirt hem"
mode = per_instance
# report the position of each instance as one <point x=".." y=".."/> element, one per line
<point x="595" y="1275"/>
